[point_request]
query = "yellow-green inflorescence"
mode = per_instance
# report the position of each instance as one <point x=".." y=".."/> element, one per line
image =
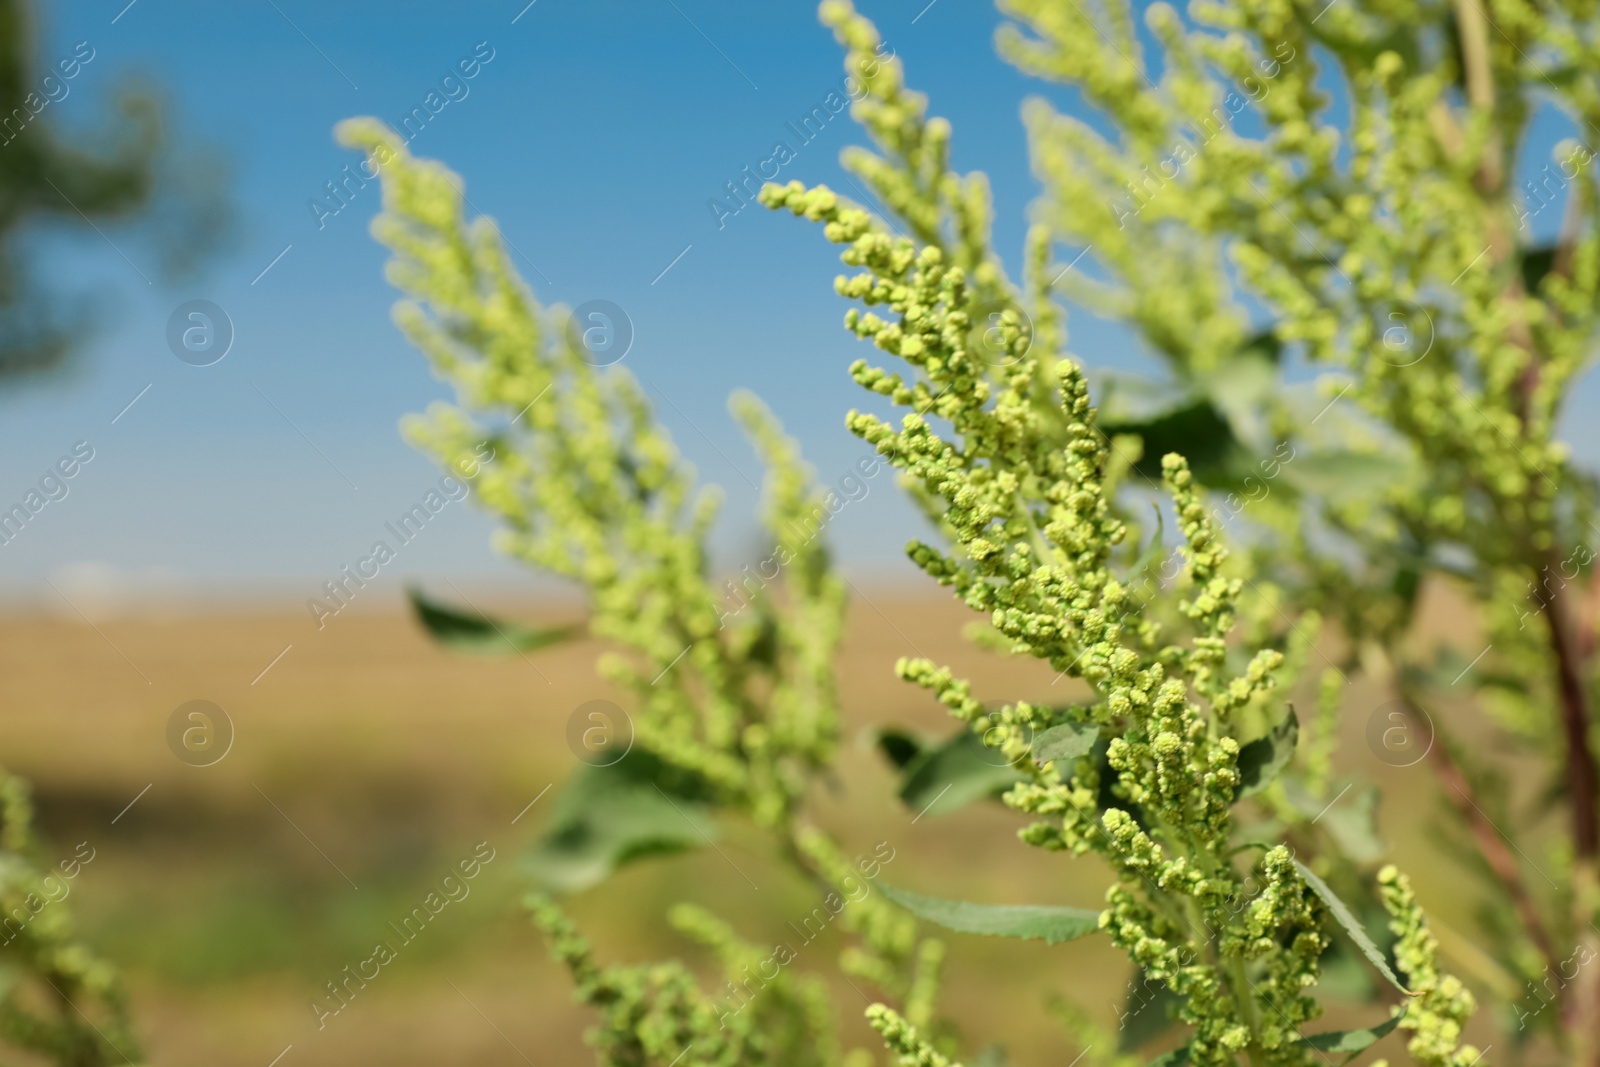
<point x="1023" y="487"/>
<point x="1440" y="1010"/>
<point x="655" y="1013"/>
<point x="589" y="487"/>
<point x="1001" y="444"/>
<point x="734" y="682"/>
<point x="62" y="1002"/>
<point x="1362" y="185"/>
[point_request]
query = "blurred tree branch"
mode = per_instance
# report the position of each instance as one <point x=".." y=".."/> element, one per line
<point x="46" y="178"/>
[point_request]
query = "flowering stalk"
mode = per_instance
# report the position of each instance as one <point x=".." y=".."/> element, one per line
<point x="1389" y="243"/>
<point x="62" y="1004"/>
<point x="735" y="710"/>
<point x="1176" y="759"/>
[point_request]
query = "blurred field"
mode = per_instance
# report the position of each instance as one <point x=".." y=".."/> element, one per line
<point x="389" y="760"/>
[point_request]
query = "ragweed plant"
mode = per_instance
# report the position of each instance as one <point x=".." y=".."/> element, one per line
<point x="1147" y="771"/>
<point x="1387" y="215"/>
<point x="59" y="1001"/>
<point x="735" y="709"/>
<point x="1379" y="243"/>
<point x="1380" y="219"/>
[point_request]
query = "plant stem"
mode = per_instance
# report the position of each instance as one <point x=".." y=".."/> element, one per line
<point x="1491" y="845"/>
<point x="1244" y="996"/>
<point x="1581" y="776"/>
<point x="1582" y="1007"/>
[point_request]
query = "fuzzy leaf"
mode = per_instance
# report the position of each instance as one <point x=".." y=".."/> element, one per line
<point x="1106" y="797"/>
<point x="468" y="631"/>
<point x="1130" y="399"/>
<point x="1350" y="818"/>
<point x="1343" y="975"/>
<point x="1176" y="1058"/>
<point x="1353" y="823"/>
<point x="1031" y="921"/>
<point x="899" y="747"/>
<point x="955" y="774"/>
<point x="1239" y="386"/>
<point x="1343" y="475"/>
<point x="1197" y="429"/>
<point x="1351" y="1041"/>
<point x="605" y="817"/>
<point x="1263" y="759"/>
<point x="1068" y="741"/>
<point x="991" y="1056"/>
<point x="1352" y="926"/>
<point x="1209" y="420"/>
<point x="1154" y="552"/>
<point x="1536" y="263"/>
<point x="1146" y="1014"/>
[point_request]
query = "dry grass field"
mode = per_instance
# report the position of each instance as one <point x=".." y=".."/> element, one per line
<point x="366" y="761"/>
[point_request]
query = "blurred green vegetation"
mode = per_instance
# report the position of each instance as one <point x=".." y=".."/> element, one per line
<point x="397" y="757"/>
<point x="166" y="199"/>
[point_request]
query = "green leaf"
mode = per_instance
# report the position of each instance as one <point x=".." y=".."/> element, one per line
<point x="1263" y="759"/>
<point x="1239" y="386"/>
<point x="1343" y="475"/>
<point x="1351" y="1041"/>
<point x="1214" y="419"/>
<point x="899" y="747"/>
<point x="1352" y="926"/>
<point x="1146" y="1014"/>
<point x="1353" y="823"/>
<point x="1155" y="552"/>
<point x="1196" y="429"/>
<point x="991" y="1056"/>
<point x="1127" y="399"/>
<point x="1343" y="976"/>
<point x="766" y="648"/>
<point x="1176" y="1058"/>
<point x="1172" y="417"/>
<point x="1350" y="817"/>
<point x="1110" y="778"/>
<point x="1052" y="925"/>
<point x="1265" y="345"/>
<point x="468" y="631"/>
<point x="1536" y="263"/>
<point x="1068" y="741"/>
<point x="12" y="978"/>
<point x="605" y="817"/>
<point x="955" y="774"/>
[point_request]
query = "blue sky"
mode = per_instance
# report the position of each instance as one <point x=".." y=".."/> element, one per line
<point x="596" y="135"/>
